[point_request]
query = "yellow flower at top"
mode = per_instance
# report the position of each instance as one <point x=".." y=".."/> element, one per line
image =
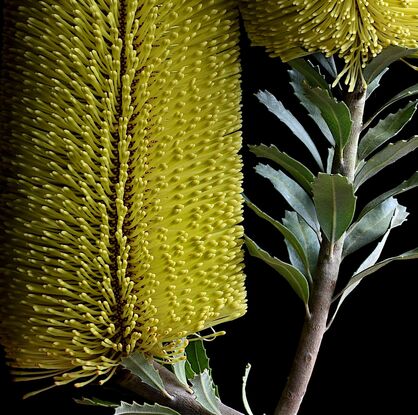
<point x="355" y="30"/>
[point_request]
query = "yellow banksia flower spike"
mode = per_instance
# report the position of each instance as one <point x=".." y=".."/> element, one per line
<point x="122" y="176"/>
<point x="355" y="30"/>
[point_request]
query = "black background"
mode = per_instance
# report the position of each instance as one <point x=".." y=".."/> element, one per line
<point x="368" y="361"/>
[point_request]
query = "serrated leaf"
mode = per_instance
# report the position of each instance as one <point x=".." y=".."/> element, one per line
<point x="292" y="275"/>
<point x="197" y="356"/>
<point x="406" y="185"/>
<point x="299" y="88"/>
<point x="286" y="117"/>
<point x="407" y="92"/>
<point x="312" y="76"/>
<point x="141" y="366"/>
<point x="294" y="194"/>
<point x="146" y="409"/>
<point x="385" y="129"/>
<point x="391" y="153"/>
<point x="327" y="63"/>
<point x="335" y="204"/>
<point x="96" y="402"/>
<point x="306" y="237"/>
<point x="205" y="393"/>
<point x="398" y="218"/>
<point x="179" y="369"/>
<point x="383" y="60"/>
<point x="335" y="113"/>
<point x="288" y="234"/>
<point x="370" y="227"/>
<point x="299" y="172"/>
<point x="375" y="83"/>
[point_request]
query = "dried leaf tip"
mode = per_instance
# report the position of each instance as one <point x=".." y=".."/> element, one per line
<point x="355" y="30"/>
<point x="122" y="197"/>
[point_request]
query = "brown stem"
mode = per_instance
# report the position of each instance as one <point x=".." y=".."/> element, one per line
<point x="181" y="399"/>
<point x="312" y="332"/>
<point x="323" y="285"/>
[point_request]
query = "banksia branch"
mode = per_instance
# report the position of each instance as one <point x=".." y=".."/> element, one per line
<point x="122" y="181"/>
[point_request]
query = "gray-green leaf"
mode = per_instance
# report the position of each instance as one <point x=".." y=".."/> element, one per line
<point x="197" y="356"/>
<point x="407" y="92"/>
<point x="403" y="187"/>
<point x="307" y="238"/>
<point x="335" y="113"/>
<point x="370" y="227"/>
<point x="299" y="171"/>
<point x="285" y="116"/>
<point x="205" y="393"/>
<point x="142" y="367"/>
<point x="146" y="409"/>
<point x="335" y="204"/>
<point x="385" y="130"/>
<point x="300" y="87"/>
<point x="292" y="275"/>
<point x="398" y="218"/>
<point x="391" y="153"/>
<point x="294" y="194"/>
<point x="312" y="76"/>
<point x="288" y="234"/>
<point x="357" y="277"/>
<point x="375" y="83"/>
<point x="179" y="369"/>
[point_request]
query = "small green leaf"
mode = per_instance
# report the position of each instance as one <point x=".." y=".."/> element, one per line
<point x="370" y="227"/>
<point x="141" y="366"/>
<point x="312" y="76"/>
<point x="289" y="236"/>
<point x="327" y="63"/>
<point x="286" y="117"/>
<point x="335" y="113"/>
<point x="391" y="153"/>
<point x="146" y="409"/>
<point x="307" y="238"/>
<point x="197" y="356"/>
<point x="292" y="275"/>
<point x="407" y="92"/>
<point x="375" y="83"/>
<point x="398" y="218"/>
<point x="96" y="402"/>
<point x="385" y="130"/>
<point x="403" y="187"/>
<point x="383" y="60"/>
<point x="335" y="204"/>
<point x="300" y="87"/>
<point x="294" y="194"/>
<point x="299" y="172"/>
<point x="205" y="393"/>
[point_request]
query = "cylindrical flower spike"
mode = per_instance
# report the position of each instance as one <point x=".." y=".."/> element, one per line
<point x="355" y="30"/>
<point x="122" y="200"/>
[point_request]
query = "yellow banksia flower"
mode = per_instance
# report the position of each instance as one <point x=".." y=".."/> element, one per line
<point x="122" y="203"/>
<point x="355" y="30"/>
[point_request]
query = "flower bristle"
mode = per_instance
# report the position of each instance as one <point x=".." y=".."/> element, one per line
<point x="122" y="181"/>
<point x="354" y="30"/>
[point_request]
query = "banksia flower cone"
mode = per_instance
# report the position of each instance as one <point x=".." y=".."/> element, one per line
<point x="122" y="200"/>
<point x="355" y="30"/>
